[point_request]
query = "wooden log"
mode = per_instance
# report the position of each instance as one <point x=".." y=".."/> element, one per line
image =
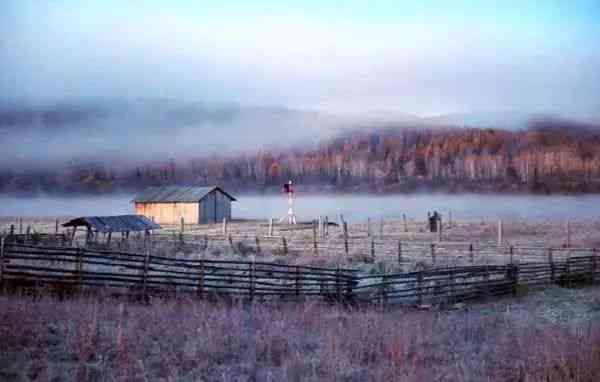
<point x="271" y="227"/>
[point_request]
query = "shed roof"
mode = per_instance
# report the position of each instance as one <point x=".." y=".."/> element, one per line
<point x="170" y="194"/>
<point x="118" y="223"/>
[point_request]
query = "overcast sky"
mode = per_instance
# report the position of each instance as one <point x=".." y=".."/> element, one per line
<point x="423" y="57"/>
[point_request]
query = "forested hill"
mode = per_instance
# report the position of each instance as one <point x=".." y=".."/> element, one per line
<point x="549" y="156"/>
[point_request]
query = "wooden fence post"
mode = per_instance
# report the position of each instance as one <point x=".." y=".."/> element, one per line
<point x="201" y="279"/>
<point x="79" y="266"/>
<point x="552" y="266"/>
<point x="420" y="288"/>
<point x="383" y="291"/>
<point x="400" y="252"/>
<point x="381" y="228"/>
<point x="20" y="226"/>
<point x="513" y="276"/>
<point x="512" y="252"/>
<point x="12" y="231"/>
<point x="500" y="232"/>
<point x="486" y="280"/>
<point x="338" y="284"/>
<point x="297" y="284"/>
<point x="368" y="227"/>
<point x="271" y="227"/>
<point x="224" y="227"/>
<point x="145" y="275"/>
<point x="568" y="228"/>
<point x="258" y="249"/>
<point x="230" y="240"/>
<point x="372" y="250"/>
<point x="594" y="252"/>
<point x="433" y="253"/>
<point x="315" y="237"/>
<point x="1" y="262"/>
<point x="326" y="226"/>
<point x="440" y="228"/>
<point x="284" y="243"/>
<point x="449" y="219"/>
<point x="251" y="266"/>
<point x="471" y="254"/>
<point x="346" y="238"/>
<point x="405" y="223"/>
<point x="56" y="227"/>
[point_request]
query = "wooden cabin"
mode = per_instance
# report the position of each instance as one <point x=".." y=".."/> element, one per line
<point x="196" y="205"/>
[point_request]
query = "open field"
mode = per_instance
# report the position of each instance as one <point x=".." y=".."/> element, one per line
<point x="545" y="336"/>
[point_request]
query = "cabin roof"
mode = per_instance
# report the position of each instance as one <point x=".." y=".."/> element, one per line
<point x="171" y="194"/>
<point x="118" y="223"/>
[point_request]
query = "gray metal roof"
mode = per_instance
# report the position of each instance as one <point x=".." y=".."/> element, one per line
<point x="119" y="223"/>
<point x="170" y="194"/>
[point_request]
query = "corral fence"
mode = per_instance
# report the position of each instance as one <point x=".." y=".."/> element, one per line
<point x="72" y="269"/>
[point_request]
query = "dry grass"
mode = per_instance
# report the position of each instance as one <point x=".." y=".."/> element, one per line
<point x="185" y="340"/>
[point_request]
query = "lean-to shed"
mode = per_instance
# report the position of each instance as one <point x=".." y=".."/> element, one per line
<point x="198" y="205"/>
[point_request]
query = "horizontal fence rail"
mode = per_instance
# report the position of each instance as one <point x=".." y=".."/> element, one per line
<point x="147" y="273"/>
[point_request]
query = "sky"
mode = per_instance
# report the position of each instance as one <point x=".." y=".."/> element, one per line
<point x="422" y="58"/>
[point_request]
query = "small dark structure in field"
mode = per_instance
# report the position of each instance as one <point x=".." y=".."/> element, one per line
<point x="196" y="205"/>
<point x="110" y="224"/>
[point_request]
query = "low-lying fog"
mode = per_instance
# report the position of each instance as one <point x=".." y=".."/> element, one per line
<point x="354" y="207"/>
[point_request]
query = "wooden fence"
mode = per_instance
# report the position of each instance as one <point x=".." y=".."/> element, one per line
<point x="146" y="273"/>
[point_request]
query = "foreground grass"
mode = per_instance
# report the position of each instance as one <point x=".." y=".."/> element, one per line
<point x="185" y="340"/>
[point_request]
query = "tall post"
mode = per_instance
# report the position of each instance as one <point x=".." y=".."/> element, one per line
<point x="297" y="283"/>
<point x="439" y="229"/>
<point x="145" y="275"/>
<point x="284" y="244"/>
<point x="500" y="232"/>
<point x="224" y="227"/>
<point x="12" y="230"/>
<point x="251" y="276"/>
<point x="326" y="226"/>
<point x="201" y="278"/>
<point x="373" y="250"/>
<point x="346" y="237"/>
<point x="368" y="227"/>
<point x="399" y="252"/>
<point x="270" y="226"/>
<point x="594" y="265"/>
<point x="512" y="253"/>
<point x="405" y="223"/>
<point x="56" y="227"/>
<point x="258" y="250"/>
<point x="449" y="219"/>
<point x="552" y="267"/>
<point x="182" y="225"/>
<point x="381" y="228"/>
<point x="1" y="262"/>
<point x="471" y="254"/>
<point x="568" y="229"/>
<point x="315" y="237"/>
<point x="433" y="253"/>
<point x="20" y="226"/>
<point x="342" y="222"/>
